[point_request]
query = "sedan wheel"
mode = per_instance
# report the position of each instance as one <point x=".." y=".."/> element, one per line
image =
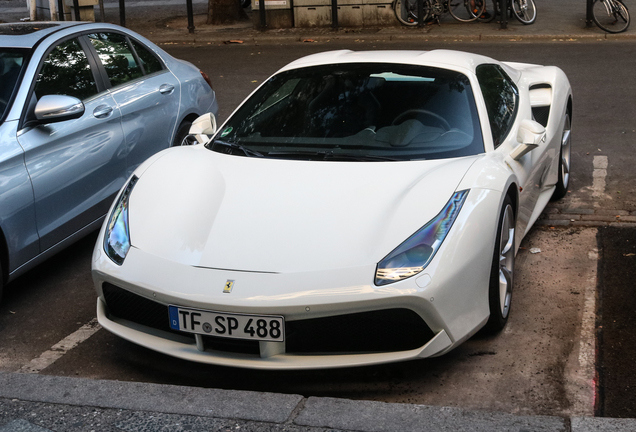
<point x="502" y="272"/>
<point x="565" y="161"/>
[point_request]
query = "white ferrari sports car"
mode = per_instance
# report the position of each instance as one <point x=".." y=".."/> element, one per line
<point x="358" y="208"/>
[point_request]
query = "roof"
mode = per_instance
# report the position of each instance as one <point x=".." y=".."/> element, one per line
<point x="28" y="34"/>
<point x="441" y="58"/>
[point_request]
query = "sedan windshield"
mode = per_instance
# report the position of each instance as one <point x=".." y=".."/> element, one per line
<point x="11" y="62"/>
<point x="356" y="112"/>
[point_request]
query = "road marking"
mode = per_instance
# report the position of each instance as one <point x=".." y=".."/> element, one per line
<point x="587" y="344"/>
<point x="49" y="357"/>
<point x="599" y="175"/>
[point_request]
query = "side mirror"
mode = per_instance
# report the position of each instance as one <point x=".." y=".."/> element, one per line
<point x="203" y="128"/>
<point x="57" y="108"/>
<point x="531" y="134"/>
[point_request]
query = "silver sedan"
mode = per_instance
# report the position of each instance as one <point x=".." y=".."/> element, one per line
<point x="81" y="106"/>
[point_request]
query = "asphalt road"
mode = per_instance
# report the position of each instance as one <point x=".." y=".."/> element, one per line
<point x="541" y="364"/>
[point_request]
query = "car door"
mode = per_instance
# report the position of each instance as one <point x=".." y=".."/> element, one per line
<point x="146" y="92"/>
<point x="76" y="166"/>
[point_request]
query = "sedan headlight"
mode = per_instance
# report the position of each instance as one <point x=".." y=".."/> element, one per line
<point x="117" y="236"/>
<point x="412" y="256"/>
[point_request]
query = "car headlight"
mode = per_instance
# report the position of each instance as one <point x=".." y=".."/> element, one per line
<point x="117" y="236"/>
<point x="412" y="256"/>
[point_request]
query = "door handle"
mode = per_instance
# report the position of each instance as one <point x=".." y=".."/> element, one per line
<point x="102" y="111"/>
<point x="166" y="89"/>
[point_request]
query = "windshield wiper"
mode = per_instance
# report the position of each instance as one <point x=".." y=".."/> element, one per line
<point x="329" y="155"/>
<point x="246" y="151"/>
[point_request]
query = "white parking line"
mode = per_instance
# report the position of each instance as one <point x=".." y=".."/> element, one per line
<point x="599" y="175"/>
<point x="62" y="347"/>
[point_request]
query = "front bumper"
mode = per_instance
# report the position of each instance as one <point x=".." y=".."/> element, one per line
<point x="449" y="300"/>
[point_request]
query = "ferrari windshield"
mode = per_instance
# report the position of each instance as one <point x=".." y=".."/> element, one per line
<point x="11" y="61"/>
<point x="365" y="112"/>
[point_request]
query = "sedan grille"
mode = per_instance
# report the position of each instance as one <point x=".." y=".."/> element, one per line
<point x="375" y="331"/>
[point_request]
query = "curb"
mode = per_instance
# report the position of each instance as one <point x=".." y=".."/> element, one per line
<point x="264" y="411"/>
<point x="268" y="37"/>
<point x="563" y="216"/>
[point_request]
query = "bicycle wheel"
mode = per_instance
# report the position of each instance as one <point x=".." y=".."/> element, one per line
<point x="466" y="10"/>
<point x="488" y="15"/>
<point x="610" y="15"/>
<point x="525" y="11"/>
<point x="406" y="11"/>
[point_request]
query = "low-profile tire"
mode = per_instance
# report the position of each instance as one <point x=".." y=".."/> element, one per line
<point x="502" y="271"/>
<point x="182" y="133"/>
<point x="565" y="160"/>
<point x="1" y="282"/>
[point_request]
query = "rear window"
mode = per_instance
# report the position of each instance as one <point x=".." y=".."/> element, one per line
<point x="357" y="112"/>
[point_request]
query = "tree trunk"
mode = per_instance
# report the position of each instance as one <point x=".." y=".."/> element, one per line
<point x="224" y="11"/>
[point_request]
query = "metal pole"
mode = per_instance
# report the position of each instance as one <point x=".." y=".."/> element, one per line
<point x="60" y="10"/>
<point x="420" y="13"/>
<point x="588" y="16"/>
<point x="76" y="10"/>
<point x="334" y="14"/>
<point x="122" y="13"/>
<point x="33" y="12"/>
<point x="52" y="10"/>
<point x="190" y="16"/>
<point x="261" y="13"/>
<point x="503" y="9"/>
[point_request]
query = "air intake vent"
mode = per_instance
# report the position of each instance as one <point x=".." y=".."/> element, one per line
<point x="541" y="115"/>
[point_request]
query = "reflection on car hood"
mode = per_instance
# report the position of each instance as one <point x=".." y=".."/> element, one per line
<point x="203" y="208"/>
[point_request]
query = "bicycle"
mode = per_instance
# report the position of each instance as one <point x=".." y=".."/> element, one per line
<point x="461" y="10"/>
<point x="610" y="15"/>
<point x="524" y="10"/>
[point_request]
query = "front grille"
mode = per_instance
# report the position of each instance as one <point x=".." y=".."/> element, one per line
<point x="376" y="331"/>
<point x="132" y="307"/>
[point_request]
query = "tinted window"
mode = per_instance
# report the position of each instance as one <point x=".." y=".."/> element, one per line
<point x="358" y="112"/>
<point x="150" y="63"/>
<point x="66" y="71"/>
<point x="11" y="62"/>
<point x="116" y="56"/>
<point x="501" y="98"/>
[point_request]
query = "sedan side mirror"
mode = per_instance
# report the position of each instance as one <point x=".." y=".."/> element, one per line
<point x="531" y="134"/>
<point x="57" y="108"/>
<point x="203" y="128"/>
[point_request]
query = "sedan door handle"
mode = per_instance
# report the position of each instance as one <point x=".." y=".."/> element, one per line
<point x="102" y="111"/>
<point x="166" y="89"/>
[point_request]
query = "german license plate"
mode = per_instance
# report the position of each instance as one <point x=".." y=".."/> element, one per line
<point x="228" y="325"/>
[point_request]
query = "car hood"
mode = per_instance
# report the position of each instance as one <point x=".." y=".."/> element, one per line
<point x="205" y="209"/>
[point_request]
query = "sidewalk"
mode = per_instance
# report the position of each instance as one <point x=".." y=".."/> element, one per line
<point x="165" y="21"/>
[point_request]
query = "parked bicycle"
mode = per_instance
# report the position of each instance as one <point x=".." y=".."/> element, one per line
<point x="610" y="15"/>
<point x="524" y="10"/>
<point x="433" y="10"/>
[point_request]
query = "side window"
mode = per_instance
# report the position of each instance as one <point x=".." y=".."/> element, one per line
<point x="66" y="71"/>
<point x="116" y="56"/>
<point x="149" y="61"/>
<point x="501" y="97"/>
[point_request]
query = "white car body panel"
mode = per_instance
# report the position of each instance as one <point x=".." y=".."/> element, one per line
<point x="302" y="239"/>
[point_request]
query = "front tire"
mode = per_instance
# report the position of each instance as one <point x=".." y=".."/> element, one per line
<point x="182" y="133"/>
<point x="565" y="161"/>
<point x="502" y="271"/>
